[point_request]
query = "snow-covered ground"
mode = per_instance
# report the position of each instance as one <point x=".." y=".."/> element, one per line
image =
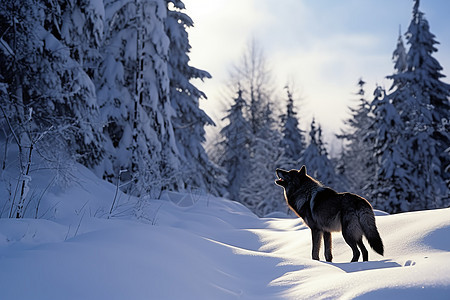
<point x="187" y="246"/>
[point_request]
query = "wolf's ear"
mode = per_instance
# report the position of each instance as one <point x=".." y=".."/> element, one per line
<point x="302" y="170"/>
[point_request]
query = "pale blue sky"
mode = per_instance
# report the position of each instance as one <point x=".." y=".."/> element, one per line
<point x="324" y="46"/>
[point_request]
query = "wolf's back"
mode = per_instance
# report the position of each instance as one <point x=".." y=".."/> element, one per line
<point x="369" y="227"/>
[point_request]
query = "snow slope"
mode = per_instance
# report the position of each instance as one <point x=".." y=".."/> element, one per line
<point x="187" y="246"/>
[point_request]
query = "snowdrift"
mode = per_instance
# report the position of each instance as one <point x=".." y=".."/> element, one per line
<point x="189" y="246"/>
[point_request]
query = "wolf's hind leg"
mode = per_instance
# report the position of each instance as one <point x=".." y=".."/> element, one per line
<point x="327" y="242"/>
<point x="365" y="254"/>
<point x="351" y="241"/>
<point x="316" y="241"/>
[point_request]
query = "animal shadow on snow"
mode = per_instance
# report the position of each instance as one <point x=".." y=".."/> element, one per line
<point x="365" y="266"/>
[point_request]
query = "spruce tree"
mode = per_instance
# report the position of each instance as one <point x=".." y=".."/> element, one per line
<point x="422" y="100"/>
<point x="423" y="69"/>
<point x="293" y="140"/>
<point x="316" y="159"/>
<point x="189" y="120"/>
<point x="235" y="144"/>
<point x="426" y="71"/>
<point x="392" y="189"/>
<point x="357" y="163"/>
<point x="258" y="193"/>
<point x="134" y="92"/>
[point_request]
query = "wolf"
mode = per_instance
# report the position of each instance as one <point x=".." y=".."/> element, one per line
<point x="325" y="211"/>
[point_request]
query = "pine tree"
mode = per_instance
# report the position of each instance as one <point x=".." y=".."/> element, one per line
<point x="134" y="93"/>
<point x="293" y="141"/>
<point x="393" y="187"/>
<point x="427" y="73"/>
<point x="258" y="193"/>
<point x="235" y="144"/>
<point x="357" y="160"/>
<point x="423" y="69"/>
<point x="315" y="157"/>
<point x="422" y="100"/>
<point x="189" y="122"/>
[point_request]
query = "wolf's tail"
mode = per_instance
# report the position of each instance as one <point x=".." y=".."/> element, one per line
<point x="369" y="227"/>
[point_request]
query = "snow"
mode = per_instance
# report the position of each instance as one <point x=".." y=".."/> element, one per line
<point x="191" y="246"/>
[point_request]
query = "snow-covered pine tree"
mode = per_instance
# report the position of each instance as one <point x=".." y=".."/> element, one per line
<point x="422" y="100"/>
<point x="134" y="91"/>
<point x="420" y="59"/>
<point x="357" y="162"/>
<point x="258" y="192"/>
<point x="235" y="145"/>
<point x="293" y="139"/>
<point x="315" y="157"/>
<point x="392" y="189"/>
<point x="189" y="122"/>
<point x="424" y="69"/>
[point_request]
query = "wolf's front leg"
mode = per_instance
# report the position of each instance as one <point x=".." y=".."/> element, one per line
<point x="316" y="241"/>
<point x="327" y="242"/>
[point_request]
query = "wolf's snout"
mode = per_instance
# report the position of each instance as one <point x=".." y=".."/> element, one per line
<point x="279" y="173"/>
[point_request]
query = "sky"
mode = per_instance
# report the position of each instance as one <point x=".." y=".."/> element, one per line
<point x="322" y="46"/>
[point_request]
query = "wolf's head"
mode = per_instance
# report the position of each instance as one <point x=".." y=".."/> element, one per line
<point x="298" y="186"/>
<point x="293" y="180"/>
<point x="290" y="178"/>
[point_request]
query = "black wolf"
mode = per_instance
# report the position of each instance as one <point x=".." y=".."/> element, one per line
<point x="324" y="211"/>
